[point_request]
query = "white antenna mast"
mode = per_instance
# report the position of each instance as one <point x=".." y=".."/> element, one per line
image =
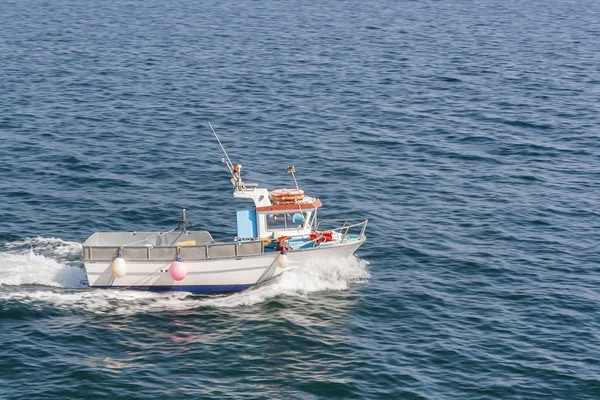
<point x="234" y="170"/>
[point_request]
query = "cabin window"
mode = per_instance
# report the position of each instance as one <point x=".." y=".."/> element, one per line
<point x="286" y="221"/>
<point x="312" y="219"/>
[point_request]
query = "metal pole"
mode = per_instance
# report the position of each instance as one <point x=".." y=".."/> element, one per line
<point x="220" y="144"/>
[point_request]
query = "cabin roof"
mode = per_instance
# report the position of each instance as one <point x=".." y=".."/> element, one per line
<point x="292" y="207"/>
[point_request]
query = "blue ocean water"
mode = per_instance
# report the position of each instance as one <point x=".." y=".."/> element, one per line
<point x="466" y="131"/>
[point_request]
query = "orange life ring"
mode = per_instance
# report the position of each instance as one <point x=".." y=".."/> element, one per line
<point x="286" y="196"/>
<point x="287" y="192"/>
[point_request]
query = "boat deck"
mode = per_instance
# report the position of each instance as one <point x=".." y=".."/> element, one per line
<point x="157" y="246"/>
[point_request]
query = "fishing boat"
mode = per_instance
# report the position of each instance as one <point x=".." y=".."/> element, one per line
<point x="279" y="233"/>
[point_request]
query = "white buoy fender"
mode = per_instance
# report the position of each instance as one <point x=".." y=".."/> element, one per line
<point x="178" y="269"/>
<point x="118" y="267"/>
<point x="282" y="260"/>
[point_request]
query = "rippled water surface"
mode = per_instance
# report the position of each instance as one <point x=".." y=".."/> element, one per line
<point x="467" y="132"/>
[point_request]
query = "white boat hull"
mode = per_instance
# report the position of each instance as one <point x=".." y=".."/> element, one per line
<point x="209" y="269"/>
<point x="203" y="276"/>
<point x="296" y="258"/>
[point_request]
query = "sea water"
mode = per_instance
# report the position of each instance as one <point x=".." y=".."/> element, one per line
<point x="466" y="131"/>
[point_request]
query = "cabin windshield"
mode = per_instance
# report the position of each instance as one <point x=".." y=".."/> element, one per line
<point x="294" y="220"/>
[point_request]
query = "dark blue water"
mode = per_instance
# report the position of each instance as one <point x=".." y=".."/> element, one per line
<point x="466" y="131"/>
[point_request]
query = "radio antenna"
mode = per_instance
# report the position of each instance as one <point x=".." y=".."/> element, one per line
<point x="234" y="170"/>
<point x="229" y="163"/>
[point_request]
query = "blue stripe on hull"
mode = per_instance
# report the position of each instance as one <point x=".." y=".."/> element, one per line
<point x="182" y="288"/>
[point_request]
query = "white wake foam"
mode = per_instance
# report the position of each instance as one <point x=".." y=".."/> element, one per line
<point x="41" y="261"/>
<point x="318" y="276"/>
<point x="50" y="247"/>
<point x="104" y="301"/>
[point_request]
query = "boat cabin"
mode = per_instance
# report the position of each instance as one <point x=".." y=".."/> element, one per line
<point x="283" y="212"/>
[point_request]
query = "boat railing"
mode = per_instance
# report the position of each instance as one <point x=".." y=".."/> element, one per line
<point x="250" y="186"/>
<point x="167" y="253"/>
<point x="349" y="227"/>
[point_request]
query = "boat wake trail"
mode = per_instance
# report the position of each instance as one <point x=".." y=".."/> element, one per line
<point x="42" y="261"/>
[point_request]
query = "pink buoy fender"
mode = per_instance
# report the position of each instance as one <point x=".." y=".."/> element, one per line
<point x="178" y="269"/>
